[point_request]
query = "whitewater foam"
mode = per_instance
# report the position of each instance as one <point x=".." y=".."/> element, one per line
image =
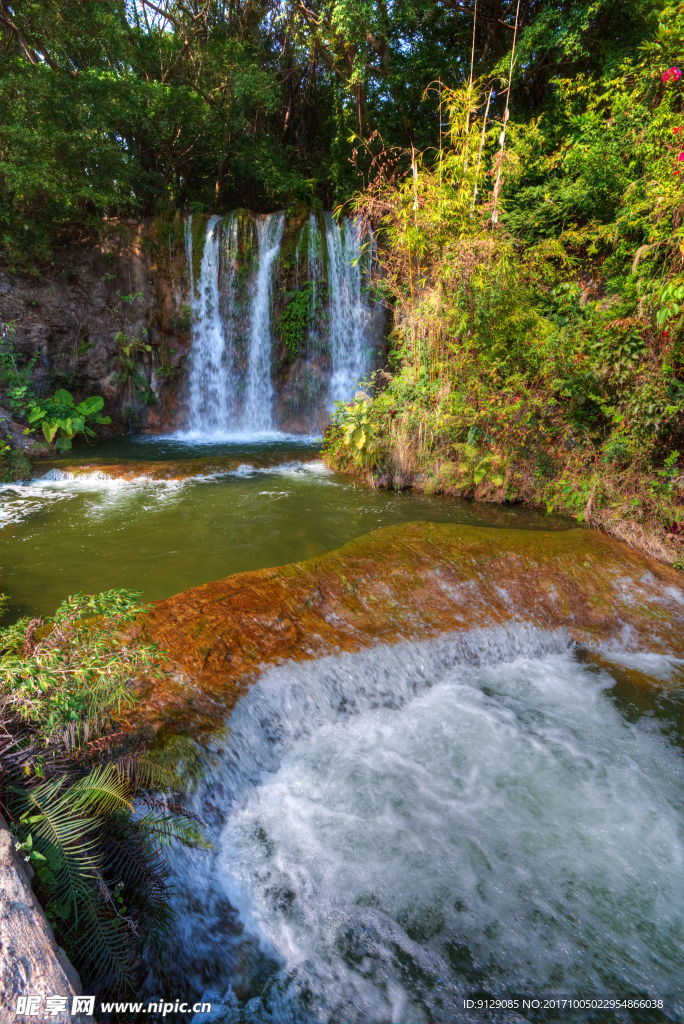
<point x="215" y="437"/>
<point x="398" y="827"/>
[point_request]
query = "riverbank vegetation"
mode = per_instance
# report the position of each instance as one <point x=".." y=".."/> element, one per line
<point x="71" y="771"/>
<point x="535" y="270"/>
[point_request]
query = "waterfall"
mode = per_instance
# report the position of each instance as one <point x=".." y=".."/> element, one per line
<point x="236" y="311"/>
<point x="210" y="386"/>
<point x="314" y="255"/>
<point x="258" y="412"/>
<point x="352" y="329"/>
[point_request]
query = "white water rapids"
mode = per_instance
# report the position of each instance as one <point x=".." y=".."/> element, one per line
<point x="400" y="827"/>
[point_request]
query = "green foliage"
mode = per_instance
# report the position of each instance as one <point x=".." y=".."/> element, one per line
<point x="59" y="413"/>
<point x="57" y="416"/>
<point x="14" y="464"/>
<point x="130" y="369"/>
<point x="131" y="109"/>
<point x="15" y="373"/>
<point x="295" y="321"/>
<point x="79" y="670"/>
<point x="183" y="319"/>
<point x="534" y="267"/>
<point x="357" y="430"/>
<point x="71" y="773"/>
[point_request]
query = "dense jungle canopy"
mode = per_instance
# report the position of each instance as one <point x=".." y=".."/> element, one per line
<point x="131" y="107"/>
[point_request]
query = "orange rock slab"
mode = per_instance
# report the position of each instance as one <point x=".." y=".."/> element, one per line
<point x="409" y="581"/>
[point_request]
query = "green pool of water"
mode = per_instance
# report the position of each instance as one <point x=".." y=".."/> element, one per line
<point x="63" y="536"/>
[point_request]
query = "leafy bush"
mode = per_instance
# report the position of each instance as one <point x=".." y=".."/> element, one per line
<point x="15" y="375"/>
<point x="534" y="270"/>
<point x="130" y="370"/>
<point x="295" y="322"/>
<point x="70" y="775"/>
<point x="357" y="430"/>
<point x="14" y="464"/>
<point x="60" y="414"/>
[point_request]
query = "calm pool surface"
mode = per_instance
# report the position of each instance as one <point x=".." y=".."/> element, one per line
<point x="161" y="537"/>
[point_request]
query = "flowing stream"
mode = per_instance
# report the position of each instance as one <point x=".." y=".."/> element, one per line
<point x="353" y="321"/>
<point x="258" y="413"/>
<point x="231" y="507"/>
<point x="398" y="830"/>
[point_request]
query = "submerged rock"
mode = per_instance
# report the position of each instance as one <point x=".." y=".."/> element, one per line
<point x="169" y="469"/>
<point x="415" y="580"/>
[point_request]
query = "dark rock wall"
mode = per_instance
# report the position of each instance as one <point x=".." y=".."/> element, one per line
<point x="79" y="316"/>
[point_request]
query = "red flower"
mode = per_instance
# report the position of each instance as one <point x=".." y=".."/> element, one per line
<point x="672" y="74"/>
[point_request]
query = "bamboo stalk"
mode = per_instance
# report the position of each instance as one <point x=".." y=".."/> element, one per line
<point x="470" y="88"/>
<point x="479" y="155"/>
<point x="505" y="121"/>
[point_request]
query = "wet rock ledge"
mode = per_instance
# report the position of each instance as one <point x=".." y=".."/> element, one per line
<point x="419" y="579"/>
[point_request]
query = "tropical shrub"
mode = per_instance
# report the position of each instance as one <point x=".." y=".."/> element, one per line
<point x="70" y="774"/>
<point x="535" y="269"/>
<point x="357" y="430"/>
<point x="59" y="416"/>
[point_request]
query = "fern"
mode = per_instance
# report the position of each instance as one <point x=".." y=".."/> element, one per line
<point x="175" y="825"/>
<point x="72" y="775"/>
<point x="62" y="820"/>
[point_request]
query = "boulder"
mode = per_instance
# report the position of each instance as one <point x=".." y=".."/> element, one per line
<point x="31" y="962"/>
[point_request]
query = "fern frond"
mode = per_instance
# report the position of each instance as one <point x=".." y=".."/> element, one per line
<point x="63" y="837"/>
<point x="165" y="827"/>
<point x="101" y="791"/>
<point x="132" y="857"/>
<point x="142" y="772"/>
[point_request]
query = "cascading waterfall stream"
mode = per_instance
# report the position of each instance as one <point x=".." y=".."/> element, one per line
<point x="210" y="379"/>
<point x="231" y="385"/>
<point x="402" y="826"/>
<point x="352" y="330"/>
<point x="314" y="254"/>
<point x="258" y="411"/>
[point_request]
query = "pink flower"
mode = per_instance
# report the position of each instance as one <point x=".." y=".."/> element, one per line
<point x="680" y="156"/>
<point x="672" y="74"/>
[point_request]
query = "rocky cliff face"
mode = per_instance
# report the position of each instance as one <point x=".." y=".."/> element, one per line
<point x="106" y="321"/>
<point x="31" y="963"/>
